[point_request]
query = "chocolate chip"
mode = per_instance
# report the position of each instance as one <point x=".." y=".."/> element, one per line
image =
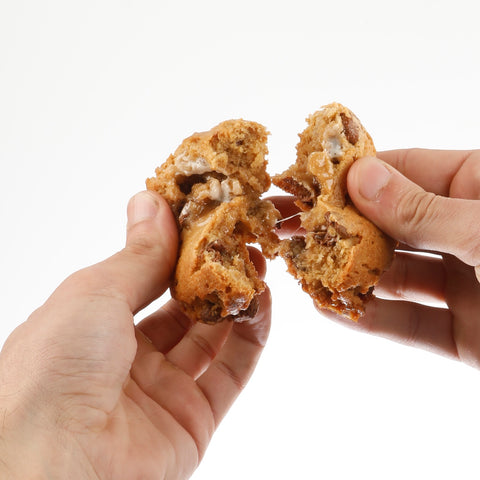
<point x="240" y="229"/>
<point x="316" y="186"/>
<point x="350" y="127"/>
<point x="218" y="250"/>
<point x="290" y="185"/>
<point x="325" y="239"/>
<point x="297" y="242"/>
<point x="329" y="233"/>
<point x="210" y="312"/>
<point x="342" y="231"/>
<point x="251" y="311"/>
<point x="186" y="183"/>
<point x="366" y="296"/>
<point x="216" y="246"/>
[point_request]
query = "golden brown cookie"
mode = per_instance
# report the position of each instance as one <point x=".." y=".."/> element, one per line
<point x="213" y="183"/>
<point x="341" y="256"/>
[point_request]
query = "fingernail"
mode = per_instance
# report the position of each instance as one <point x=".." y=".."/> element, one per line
<point x="372" y="176"/>
<point x="143" y="206"/>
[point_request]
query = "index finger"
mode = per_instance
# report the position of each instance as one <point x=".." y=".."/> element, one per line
<point x="436" y="170"/>
<point x="231" y="369"/>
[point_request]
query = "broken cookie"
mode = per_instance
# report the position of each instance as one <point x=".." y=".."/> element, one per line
<point x="213" y="183"/>
<point x="341" y="256"/>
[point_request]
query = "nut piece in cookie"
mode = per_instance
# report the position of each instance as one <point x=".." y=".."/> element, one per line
<point x="342" y="254"/>
<point x="213" y="183"/>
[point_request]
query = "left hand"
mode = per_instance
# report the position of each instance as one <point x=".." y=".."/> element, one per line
<point x="84" y="393"/>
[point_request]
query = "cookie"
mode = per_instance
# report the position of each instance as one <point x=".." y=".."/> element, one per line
<point x="213" y="183"/>
<point x="341" y="255"/>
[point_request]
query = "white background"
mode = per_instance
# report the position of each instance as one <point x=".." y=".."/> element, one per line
<point x="95" y="94"/>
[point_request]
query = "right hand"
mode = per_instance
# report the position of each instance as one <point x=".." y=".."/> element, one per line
<point x="430" y="202"/>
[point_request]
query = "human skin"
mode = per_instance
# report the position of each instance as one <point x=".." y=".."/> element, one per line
<point x="429" y="201"/>
<point x="87" y="394"/>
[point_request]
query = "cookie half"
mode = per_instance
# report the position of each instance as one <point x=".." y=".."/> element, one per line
<point x="213" y="183"/>
<point x="341" y="256"/>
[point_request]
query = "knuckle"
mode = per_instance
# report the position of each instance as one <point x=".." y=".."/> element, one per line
<point x="94" y="282"/>
<point x="401" y="276"/>
<point x="466" y="183"/>
<point x="416" y="208"/>
<point x="146" y="250"/>
<point x="473" y="253"/>
<point x="412" y="326"/>
<point x="85" y="280"/>
<point x="409" y="158"/>
<point x="143" y="246"/>
<point x="143" y="242"/>
<point x="232" y="374"/>
<point x="203" y="345"/>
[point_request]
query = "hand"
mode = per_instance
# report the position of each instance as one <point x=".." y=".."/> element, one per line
<point x="86" y="394"/>
<point x="430" y="202"/>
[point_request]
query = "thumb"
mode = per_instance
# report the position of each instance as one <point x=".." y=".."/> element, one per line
<point x="413" y="216"/>
<point x="141" y="272"/>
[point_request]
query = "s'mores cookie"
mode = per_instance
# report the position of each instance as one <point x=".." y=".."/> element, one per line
<point x="213" y="183"/>
<point x="341" y="255"/>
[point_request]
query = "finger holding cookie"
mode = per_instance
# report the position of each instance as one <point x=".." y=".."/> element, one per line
<point x="450" y="173"/>
<point x="422" y="219"/>
<point x="444" y="220"/>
